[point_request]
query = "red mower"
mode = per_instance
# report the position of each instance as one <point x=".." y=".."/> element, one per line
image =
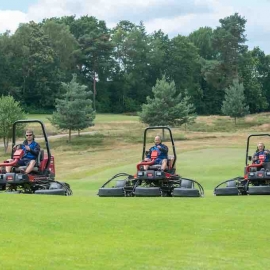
<point x="256" y="179"/>
<point x="152" y="182"/>
<point x="42" y="178"/>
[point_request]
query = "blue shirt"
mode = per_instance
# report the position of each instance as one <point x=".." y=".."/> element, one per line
<point x="34" y="150"/>
<point x="266" y="156"/>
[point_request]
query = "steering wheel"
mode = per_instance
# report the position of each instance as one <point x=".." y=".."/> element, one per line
<point x="18" y="146"/>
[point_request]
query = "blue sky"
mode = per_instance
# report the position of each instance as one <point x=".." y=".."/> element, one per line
<point x="171" y="16"/>
<point x="21" y="5"/>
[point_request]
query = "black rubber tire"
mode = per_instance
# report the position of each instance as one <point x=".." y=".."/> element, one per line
<point x="186" y="192"/>
<point x="147" y="192"/>
<point x="231" y="183"/>
<point x="186" y="183"/>
<point x="120" y="183"/>
<point x="51" y="192"/>
<point x="259" y="190"/>
<point x="226" y="191"/>
<point x="111" y="192"/>
<point x="55" y="185"/>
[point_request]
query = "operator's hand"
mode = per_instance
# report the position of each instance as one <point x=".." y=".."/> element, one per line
<point x="27" y="148"/>
<point x="158" y="146"/>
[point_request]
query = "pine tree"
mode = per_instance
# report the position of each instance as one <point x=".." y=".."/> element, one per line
<point x="74" y="111"/>
<point x="167" y="108"/>
<point x="234" y="103"/>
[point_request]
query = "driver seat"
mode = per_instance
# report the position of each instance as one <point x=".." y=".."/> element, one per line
<point x="38" y="161"/>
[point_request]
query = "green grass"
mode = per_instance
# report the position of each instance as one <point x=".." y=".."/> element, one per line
<point x="132" y="233"/>
<point x="107" y="118"/>
<point x="87" y="232"/>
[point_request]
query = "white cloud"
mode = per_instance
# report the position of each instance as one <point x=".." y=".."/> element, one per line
<point x="10" y="20"/>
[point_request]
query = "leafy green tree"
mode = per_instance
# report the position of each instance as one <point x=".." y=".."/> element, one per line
<point x="7" y="78"/>
<point x="130" y="77"/>
<point x="167" y="108"/>
<point x="234" y="102"/>
<point x="63" y="43"/>
<point x="74" y="111"/>
<point x="202" y="39"/>
<point x="94" y="58"/>
<point x="10" y="111"/>
<point x="254" y="71"/>
<point x="36" y="67"/>
<point x="184" y="68"/>
<point x="157" y="57"/>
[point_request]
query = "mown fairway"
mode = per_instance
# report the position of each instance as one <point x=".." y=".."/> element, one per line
<point x="87" y="232"/>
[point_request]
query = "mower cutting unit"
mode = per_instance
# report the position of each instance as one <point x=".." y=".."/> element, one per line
<point x="41" y="180"/>
<point x="152" y="182"/>
<point x="256" y="180"/>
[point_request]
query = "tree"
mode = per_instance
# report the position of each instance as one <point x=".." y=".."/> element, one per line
<point x="10" y="111"/>
<point x="7" y="78"/>
<point x="202" y="39"/>
<point x="94" y="57"/>
<point x="166" y="108"/>
<point x="254" y="71"/>
<point x="234" y="102"/>
<point x="228" y="40"/>
<point x="132" y="66"/>
<point x="74" y="111"/>
<point x="184" y="67"/>
<point x="36" y="67"/>
<point x="63" y="43"/>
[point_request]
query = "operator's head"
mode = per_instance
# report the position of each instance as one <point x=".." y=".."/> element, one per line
<point x="260" y="146"/>
<point x="29" y="134"/>
<point x="157" y="139"/>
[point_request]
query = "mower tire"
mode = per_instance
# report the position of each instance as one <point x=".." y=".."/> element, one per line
<point x="259" y="190"/>
<point x="185" y="192"/>
<point x="55" y="191"/>
<point x="111" y="192"/>
<point x="226" y="191"/>
<point x="147" y="192"/>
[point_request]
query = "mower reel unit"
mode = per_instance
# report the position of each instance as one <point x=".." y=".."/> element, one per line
<point x="256" y="180"/>
<point x="152" y="182"/>
<point x="41" y="180"/>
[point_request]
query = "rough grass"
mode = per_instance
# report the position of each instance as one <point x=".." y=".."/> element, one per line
<point x="87" y="232"/>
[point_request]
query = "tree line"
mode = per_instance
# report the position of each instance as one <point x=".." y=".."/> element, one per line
<point x="119" y="66"/>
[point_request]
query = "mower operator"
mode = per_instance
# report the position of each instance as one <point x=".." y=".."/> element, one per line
<point x="31" y="150"/>
<point x="261" y="151"/>
<point x="162" y="157"/>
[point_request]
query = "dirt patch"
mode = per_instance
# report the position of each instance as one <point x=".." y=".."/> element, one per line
<point x="249" y="119"/>
<point x="264" y="127"/>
